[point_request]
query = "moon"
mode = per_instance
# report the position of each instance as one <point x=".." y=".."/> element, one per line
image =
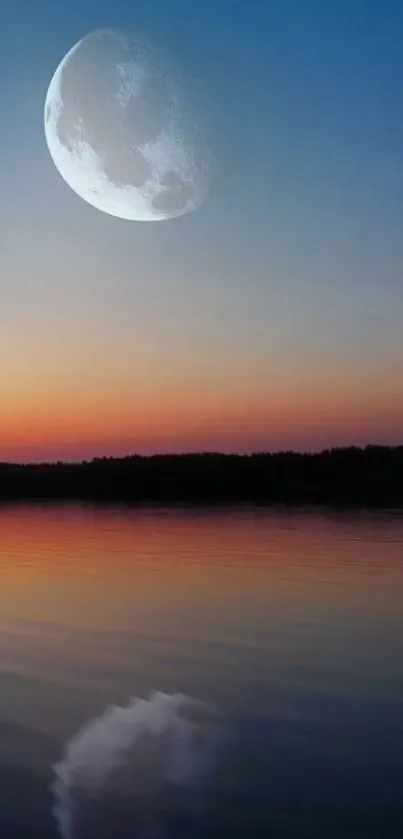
<point x="123" y="131"/>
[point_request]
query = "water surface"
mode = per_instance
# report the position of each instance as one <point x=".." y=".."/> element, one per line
<point x="290" y="623"/>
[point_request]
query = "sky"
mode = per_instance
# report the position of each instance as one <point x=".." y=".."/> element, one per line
<point x="271" y="317"/>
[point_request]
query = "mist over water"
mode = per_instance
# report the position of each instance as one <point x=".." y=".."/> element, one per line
<point x="138" y="772"/>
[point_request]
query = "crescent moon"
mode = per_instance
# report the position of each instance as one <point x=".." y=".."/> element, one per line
<point x="118" y="132"/>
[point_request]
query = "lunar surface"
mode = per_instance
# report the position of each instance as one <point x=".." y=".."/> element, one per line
<point x="121" y="130"/>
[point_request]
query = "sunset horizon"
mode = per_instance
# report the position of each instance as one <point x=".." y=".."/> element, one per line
<point x="75" y="419"/>
<point x="122" y="453"/>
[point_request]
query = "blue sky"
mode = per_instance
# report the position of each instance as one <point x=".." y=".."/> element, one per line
<point x="287" y="281"/>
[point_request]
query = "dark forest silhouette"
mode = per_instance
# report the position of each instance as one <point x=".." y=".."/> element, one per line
<point x="371" y="476"/>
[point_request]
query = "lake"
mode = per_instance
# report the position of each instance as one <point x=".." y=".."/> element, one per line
<point x="288" y="626"/>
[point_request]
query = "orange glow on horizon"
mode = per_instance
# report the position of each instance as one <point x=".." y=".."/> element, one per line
<point x="62" y="420"/>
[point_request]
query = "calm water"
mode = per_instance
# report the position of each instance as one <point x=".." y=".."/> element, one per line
<point x="290" y="624"/>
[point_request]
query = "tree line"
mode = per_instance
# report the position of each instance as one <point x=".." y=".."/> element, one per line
<point x="370" y="476"/>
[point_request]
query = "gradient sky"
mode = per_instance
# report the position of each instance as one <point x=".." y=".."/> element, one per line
<point x="271" y="317"/>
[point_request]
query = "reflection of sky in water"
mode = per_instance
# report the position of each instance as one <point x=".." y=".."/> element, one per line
<point x="290" y="624"/>
<point x="141" y="769"/>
